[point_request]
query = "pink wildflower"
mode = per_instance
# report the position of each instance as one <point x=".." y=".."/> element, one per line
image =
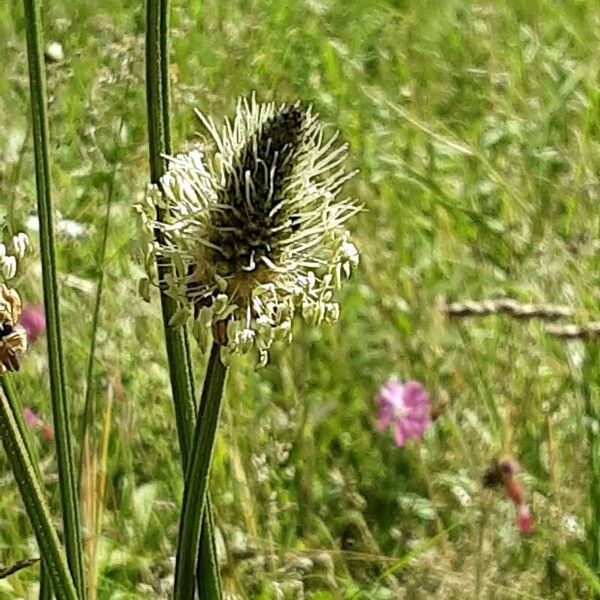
<point x="405" y="408"/>
<point x="34" y="322"/>
<point x="31" y="419"/>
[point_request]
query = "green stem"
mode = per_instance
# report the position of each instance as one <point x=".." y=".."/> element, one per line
<point x="176" y="340"/>
<point x="35" y="503"/>
<point x="197" y="476"/>
<point x="64" y="452"/>
<point x="88" y="409"/>
<point x="207" y="567"/>
<point x="11" y="397"/>
<point x="45" y="583"/>
<point x="165" y="76"/>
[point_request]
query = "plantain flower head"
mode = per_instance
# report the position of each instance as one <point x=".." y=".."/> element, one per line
<point x="254" y="227"/>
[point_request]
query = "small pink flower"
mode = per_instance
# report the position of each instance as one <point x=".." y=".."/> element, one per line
<point x="34" y="322"/>
<point x="31" y="419"/>
<point x="524" y="520"/>
<point x="405" y="408"/>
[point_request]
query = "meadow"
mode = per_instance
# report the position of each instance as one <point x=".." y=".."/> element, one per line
<point x="475" y="128"/>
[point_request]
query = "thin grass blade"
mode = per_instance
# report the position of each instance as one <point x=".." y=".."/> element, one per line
<point x="88" y="409"/>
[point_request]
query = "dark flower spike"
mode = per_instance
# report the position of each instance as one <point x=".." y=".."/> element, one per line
<point x="256" y="229"/>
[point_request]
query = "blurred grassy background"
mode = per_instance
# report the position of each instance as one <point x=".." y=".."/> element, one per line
<point x="475" y="128"/>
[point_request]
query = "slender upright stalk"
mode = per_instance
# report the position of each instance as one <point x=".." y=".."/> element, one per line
<point x="197" y="477"/>
<point x="177" y="344"/>
<point x="208" y="577"/>
<point x="11" y="397"/>
<point x="88" y="409"/>
<point x="175" y="338"/>
<point x="64" y="452"/>
<point x="165" y="78"/>
<point x="35" y="503"/>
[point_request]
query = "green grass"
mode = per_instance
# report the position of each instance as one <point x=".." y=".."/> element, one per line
<point x="475" y="126"/>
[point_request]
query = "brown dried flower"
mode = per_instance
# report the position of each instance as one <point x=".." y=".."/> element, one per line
<point x="13" y="337"/>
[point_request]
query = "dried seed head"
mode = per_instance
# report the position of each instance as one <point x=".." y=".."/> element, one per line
<point x="256" y="229"/>
<point x="13" y="338"/>
<point x="501" y="471"/>
<point x="10" y="306"/>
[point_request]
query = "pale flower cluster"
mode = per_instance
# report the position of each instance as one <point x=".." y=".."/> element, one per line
<point x="11" y="255"/>
<point x="13" y="337"/>
<point x="254" y="228"/>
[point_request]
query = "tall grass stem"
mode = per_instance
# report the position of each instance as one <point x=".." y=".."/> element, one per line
<point x="60" y="409"/>
<point x="88" y="409"/>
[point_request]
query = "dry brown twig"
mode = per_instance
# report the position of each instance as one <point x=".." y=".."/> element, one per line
<point x="506" y="306"/>
<point x="547" y="312"/>
<point x="588" y="331"/>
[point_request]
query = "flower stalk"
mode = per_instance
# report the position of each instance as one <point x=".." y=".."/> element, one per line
<point x="176" y="340"/>
<point x="64" y="452"/>
<point x="245" y="232"/>
<point x="9" y="393"/>
<point x="33" y="498"/>
<point x="197" y="478"/>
